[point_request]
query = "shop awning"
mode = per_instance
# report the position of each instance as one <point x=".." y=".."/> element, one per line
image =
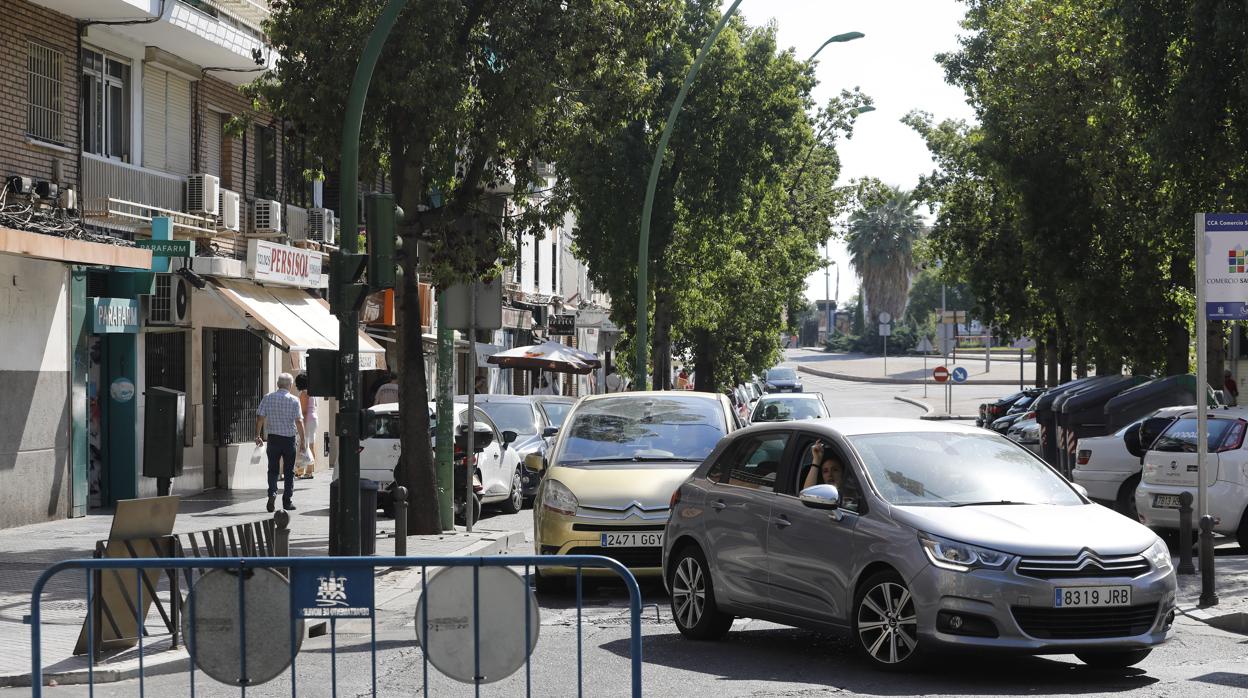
<point x="296" y="318"/>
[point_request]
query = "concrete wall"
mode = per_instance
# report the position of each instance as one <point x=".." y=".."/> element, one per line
<point x="35" y="478"/>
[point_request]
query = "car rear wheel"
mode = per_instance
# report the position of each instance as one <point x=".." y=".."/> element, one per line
<point x="1113" y="660"/>
<point x="693" y="597"/>
<point x="1126" y="498"/>
<point x="515" y="499"/>
<point x="885" y="623"/>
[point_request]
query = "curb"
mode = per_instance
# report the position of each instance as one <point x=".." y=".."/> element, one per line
<point x="900" y="381"/>
<point x="927" y="409"/>
<point x="177" y="661"/>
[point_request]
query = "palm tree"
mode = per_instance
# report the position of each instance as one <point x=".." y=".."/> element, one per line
<point x="881" y="249"/>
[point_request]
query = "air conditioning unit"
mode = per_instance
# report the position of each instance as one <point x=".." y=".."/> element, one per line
<point x="321" y="225"/>
<point x="267" y="217"/>
<point x="170" y="302"/>
<point x="203" y="192"/>
<point x="228" y="205"/>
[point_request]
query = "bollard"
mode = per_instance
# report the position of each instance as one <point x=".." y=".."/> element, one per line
<point x="400" y="521"/>
<point x="1185" y="534"/>
<point x="1208" y="597"/>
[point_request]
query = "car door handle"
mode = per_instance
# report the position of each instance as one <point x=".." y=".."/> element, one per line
<point x="783" y="522"/>
<point x="718" y="505"/>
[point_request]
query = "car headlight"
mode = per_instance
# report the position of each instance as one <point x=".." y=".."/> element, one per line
<point x="1158" y="555"/>
<point x="558" y="498"/>
<point x="960" y="557"/>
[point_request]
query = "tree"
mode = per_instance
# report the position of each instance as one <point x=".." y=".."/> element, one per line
<point x="881" y="249"/>
<point x="467" y="98"/>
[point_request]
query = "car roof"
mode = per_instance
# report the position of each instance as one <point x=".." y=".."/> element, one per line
<point x="790" y="396"/>
<point x="653" y="393"/>
<point x="493" y="397"/>
<point x="553" y="398"/>
<point x="1215" y="413"/>
<point x="860" y="426"/>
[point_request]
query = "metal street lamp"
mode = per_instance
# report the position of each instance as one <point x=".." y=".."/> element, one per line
<point x="838" y="39"/>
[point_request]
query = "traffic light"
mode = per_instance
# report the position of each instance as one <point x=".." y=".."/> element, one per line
<point x="381" y="223"/>
<point x="346" y="293"/>
<point x="322" y="368"/>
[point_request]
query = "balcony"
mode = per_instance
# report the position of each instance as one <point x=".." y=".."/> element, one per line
<point x="124" y="196"/>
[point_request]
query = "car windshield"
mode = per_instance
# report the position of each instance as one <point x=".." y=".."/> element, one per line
<point x="557" y="412"/>
<point x="381" y="425"/>
<point x="952" y="469"/>
<point x="785" y="409"/>
<point x="781" y="374"/>
<point x="641" y="429"/>
<point x="511" y="416"/>
<point x="1181" y="436"/>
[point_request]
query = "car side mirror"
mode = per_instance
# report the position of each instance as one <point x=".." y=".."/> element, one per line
<point x="549" y="432"/>
<point x="509" y="437"/>
<point x="1131" y="437"/>
<point x="535" y="462"/>
<point x="820" y="497"/>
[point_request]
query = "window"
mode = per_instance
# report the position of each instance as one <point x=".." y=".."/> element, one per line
<point x="846" y="480"/>
<point x="266" y="162"/>
<point x="757" y="462"/>
<point x="105" y="104"/>
<point x="45" y="94"/>
<point x="236" y="363"/>
<point x="537" y="267"/>
<point x="554" y="265"/>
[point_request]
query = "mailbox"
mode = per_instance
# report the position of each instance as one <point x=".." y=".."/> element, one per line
<point x="163" y="420"/>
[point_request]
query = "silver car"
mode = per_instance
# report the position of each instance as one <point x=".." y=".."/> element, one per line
<point x="927" y="535"/>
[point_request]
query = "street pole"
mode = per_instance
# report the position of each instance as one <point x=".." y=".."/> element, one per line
<point x="1208" y="596"/>
<point x="470" y="453"/>
<point x="348" y="424"/>
<point x="445" y="410"/>
<point x="641" y="347"/>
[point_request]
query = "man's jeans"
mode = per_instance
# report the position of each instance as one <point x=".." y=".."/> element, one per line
<point x="282" y="448"/>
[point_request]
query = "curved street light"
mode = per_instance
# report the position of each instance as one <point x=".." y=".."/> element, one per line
<point x="838" y="39"/>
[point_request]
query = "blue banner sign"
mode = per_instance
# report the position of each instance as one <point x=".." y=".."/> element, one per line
<point x="1225" y="237"/>
<point x="325" y="592"/>
<point x="1215" y="222"/>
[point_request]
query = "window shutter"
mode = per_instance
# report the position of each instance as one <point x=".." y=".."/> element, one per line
<point x="212" y="143"/>
<point x="166" y="121"/>
<point x="154" y="147"/>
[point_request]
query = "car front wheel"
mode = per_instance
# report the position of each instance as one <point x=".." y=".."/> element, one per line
<point x="885" y="623"/>
<point x="693" y="597"/>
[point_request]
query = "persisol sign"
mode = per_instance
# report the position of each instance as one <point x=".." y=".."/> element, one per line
<point x="114" y="316"/>
<point x="282" y="264"/>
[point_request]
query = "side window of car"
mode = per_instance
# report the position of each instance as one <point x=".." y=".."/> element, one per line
<point x="758" y="462"/>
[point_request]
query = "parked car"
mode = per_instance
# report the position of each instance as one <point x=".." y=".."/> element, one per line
<point x="1002" y="425"/>
<point x="498" y="464"/>
<point x="554" y="408"/>
<point x="1107" y="469"/>
<point x="523" y="415"/>
<point x="1170" y="469"/>
<point x="1026" y="433"/>
<point x="782" y="379"/>
<point x="609" y="478"/>
<point x="935" y="536"/>
<point x="991" y="411"/>
<point x="782" y="408"/>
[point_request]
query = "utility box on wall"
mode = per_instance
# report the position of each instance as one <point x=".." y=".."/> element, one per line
<point x="163" y="420"/>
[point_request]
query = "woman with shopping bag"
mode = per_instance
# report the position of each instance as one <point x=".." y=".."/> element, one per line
<point x="306" y="461"/>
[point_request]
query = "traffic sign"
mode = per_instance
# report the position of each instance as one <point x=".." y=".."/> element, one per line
<point x="886" y="330"/>
<point x="925" y="346"/>
<point x="940" y="374"/>
<point x="959" y="375"/>
<point x="1023" y="343"/>
<point x="885" y="318"/>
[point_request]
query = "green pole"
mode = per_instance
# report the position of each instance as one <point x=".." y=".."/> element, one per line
<point x="445" y="434"/>
<point x="349" y="321"/>
<point x="643" y="248"/>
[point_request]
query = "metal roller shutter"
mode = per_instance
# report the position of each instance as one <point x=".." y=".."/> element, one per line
<point x="212" y="142"/>
<point x="166" y="121"/>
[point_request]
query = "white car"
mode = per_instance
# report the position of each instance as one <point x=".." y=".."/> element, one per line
<point x="1170" y="470"/>
<point x="1108" y="471"/>
<point x="784" y="407"/>
<point x="498" y="464"/>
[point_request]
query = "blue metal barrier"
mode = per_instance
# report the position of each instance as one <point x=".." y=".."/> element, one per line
<point x="242" y="565"/>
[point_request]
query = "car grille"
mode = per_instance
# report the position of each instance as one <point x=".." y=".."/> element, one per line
<point x="616" y="528"/>
<point x="629" y="557"/>
<point x="1085" y="623"/>
<point x="1083" y="566"/>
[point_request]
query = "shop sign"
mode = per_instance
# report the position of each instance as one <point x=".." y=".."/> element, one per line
<point x="379" y="309"/>
<point x="114" y="316"/>
<point x="562" y="325"/>
<point x="168" y="248"/>
<point x="1225" y="237"/>
<point x="282" y="264"/>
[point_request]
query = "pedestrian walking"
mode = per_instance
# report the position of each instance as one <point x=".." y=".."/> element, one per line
<point x="682" y="380"/>
<point x="281" y="415"/>
<point x="1230" y="389"/>
<point x="613" y="381"/>
<point x="307" y="453"/>
<point x="389" y="392"/>
<point x="480" y="386"/>
<point x="545" y="387"/>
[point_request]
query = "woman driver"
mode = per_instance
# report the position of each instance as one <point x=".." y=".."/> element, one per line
<point x="823" y="470"/>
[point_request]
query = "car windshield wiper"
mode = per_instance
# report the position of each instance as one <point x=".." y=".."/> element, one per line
<point x="639" y="459"/>
<point x="995" y="502"/>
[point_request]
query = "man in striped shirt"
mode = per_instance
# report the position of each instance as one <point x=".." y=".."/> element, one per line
<point x="281" y="413"/>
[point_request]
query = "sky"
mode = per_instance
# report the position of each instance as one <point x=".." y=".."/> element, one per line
<point x="894" y="64"/>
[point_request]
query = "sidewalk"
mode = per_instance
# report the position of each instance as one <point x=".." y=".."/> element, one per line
<point x="1231" y="585"/>
<point x="27" y="551"/>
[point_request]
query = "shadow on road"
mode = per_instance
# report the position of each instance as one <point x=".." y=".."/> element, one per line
<point x="780" y="654"/>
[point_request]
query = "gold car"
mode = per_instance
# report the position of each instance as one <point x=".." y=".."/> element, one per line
<point x="609" y="479"/>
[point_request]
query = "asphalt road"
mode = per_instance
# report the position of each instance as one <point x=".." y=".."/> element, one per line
<point x="757" y="659"/>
